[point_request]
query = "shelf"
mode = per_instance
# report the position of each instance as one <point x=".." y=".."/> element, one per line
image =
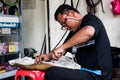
<point x="10" y="53"/>
<point x="8" y="21"/>
<point x="9" y="34"/>
<point x="8" y="25"/>
<point x="7" y="74"/>
<point x="11" y="38"/>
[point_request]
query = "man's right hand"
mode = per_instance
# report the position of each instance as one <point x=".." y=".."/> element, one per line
<point x="43" y="57"/>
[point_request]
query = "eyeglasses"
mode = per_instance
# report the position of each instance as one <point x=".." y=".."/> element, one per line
<point x="64" y="23"/>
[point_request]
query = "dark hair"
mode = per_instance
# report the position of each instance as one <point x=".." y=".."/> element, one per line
<point x="63" y="9"/>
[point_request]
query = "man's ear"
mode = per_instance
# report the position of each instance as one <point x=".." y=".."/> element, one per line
<point x="71" y="13"/>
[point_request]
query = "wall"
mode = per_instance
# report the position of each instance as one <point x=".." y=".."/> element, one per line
<point x="34" y="26"/>
<point x="112" y="24"/>
<point x="34" y="23"/>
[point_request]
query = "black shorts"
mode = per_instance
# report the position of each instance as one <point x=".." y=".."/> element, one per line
<point x="57" y="73"/>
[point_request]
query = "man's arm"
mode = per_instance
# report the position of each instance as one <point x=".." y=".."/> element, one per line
<point x="80" y="37"/>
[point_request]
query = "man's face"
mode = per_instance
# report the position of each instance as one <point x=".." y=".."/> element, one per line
<point x="68" y="21"/>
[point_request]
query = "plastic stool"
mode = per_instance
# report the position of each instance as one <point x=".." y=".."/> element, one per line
<point x="31" y="74"/>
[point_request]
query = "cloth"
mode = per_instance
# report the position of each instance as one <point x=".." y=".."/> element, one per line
<point x="23" y="61"/>
<point x="65" y="62"/>
<point x="28" y="63"/>
<point x="98" y="72"/>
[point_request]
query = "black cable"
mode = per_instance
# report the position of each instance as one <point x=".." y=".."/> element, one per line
<point x="43" y="45"/>
<point x="77" y="4"/>
<point x="94" y="6"/>
<point x="48" y="20"/>
<point x="64" y="1"/>
<point x="60" y="39"/>
<point x="72" y="3"/>
<point x="102" y="7"/>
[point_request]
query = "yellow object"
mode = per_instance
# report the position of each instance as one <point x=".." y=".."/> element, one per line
<point x="2" y="71"/>
<point x="11" y="48"/>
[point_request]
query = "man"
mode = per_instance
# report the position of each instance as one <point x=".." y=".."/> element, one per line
<point x="89" y="42"/>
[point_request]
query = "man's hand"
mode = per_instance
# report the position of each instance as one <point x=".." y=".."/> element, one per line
<point x="54" y="55"/>
<point x="57" y="53"/>
<point x="43" y="57"/>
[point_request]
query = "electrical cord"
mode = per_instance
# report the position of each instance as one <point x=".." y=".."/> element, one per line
<point x="77" y="4"/>
<point x="43" y="45"/>
<point x="64" y="1"/>
<point x="60" y="39"/>
<point x="93" y="4"/>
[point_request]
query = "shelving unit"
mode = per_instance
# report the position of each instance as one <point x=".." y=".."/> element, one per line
<point x="11" y="38"/>
<point x="7" y="74"/>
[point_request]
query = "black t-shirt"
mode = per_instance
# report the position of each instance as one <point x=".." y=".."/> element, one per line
<point x="95" y="54"/>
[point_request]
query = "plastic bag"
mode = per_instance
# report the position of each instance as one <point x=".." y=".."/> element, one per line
<point x="66" y="62"/>
<point x="24" y="61"/>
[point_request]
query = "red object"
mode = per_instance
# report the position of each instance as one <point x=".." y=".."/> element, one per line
<point x="31" y="74"/>
<point x="115" y="7"/>
<point x="4" y="9"/>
